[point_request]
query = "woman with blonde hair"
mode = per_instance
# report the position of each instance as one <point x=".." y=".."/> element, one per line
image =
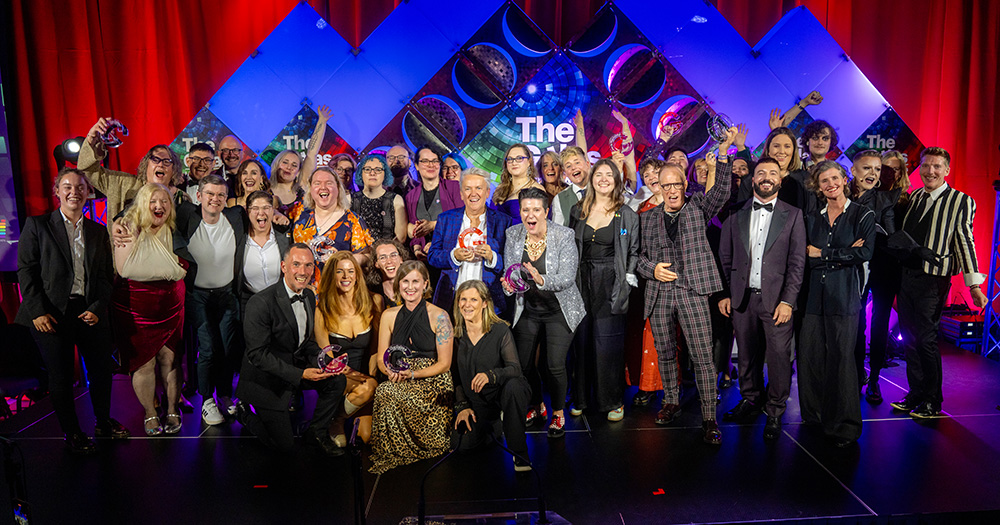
<point x="550" y="175"/>
<point x="148" y="304"/>
<point x="324" y="220"/>
<point x="285" y="179"/>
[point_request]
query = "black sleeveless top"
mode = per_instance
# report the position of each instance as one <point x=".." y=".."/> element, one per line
<point x="413" y="330"/>
<point x="356" y="349"/>
<point x="378" y="214"/>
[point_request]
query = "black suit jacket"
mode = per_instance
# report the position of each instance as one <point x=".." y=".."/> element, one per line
<point x="783" y="263"/>
<point x="45" y="268"/>
<point x="188" y="220"/>
<point x="274" y="359"/>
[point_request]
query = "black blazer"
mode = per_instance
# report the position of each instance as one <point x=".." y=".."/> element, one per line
<point x="188" y="220"/>
<point x="45" y="268"/>
<point x="274" y="360"/>
<point x="626" y="224"/>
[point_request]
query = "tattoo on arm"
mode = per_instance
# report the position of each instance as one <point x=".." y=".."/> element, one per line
<point x="443" y="329"/>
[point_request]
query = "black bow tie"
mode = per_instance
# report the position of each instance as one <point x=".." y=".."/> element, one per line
<point x="769" y="206"/>
<point x="298" y="297"/>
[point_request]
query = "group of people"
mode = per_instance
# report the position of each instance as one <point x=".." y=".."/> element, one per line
<point x="438" y="309"/>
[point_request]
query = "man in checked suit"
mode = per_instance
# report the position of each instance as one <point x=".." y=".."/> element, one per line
<point x="281" y="356"/>
<point x="763" y="253"/>
<point x="676" y="258"/>
<point x="938" y="218"/>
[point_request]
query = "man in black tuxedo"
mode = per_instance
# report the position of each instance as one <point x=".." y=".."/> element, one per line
<point x="281" y="356"/>
<point x="64" y="268"/>
<point x="763" y="254"/>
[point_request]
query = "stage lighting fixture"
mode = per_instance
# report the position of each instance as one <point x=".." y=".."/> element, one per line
<point x="68" y="151"/>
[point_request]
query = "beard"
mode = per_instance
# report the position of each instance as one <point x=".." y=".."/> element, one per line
<point x="401" y="176"/>
<point x="765" y="194"/>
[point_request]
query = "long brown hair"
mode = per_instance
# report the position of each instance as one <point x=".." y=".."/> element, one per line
<point x="506" y="186"/>
<point x="327" y="303"/>
<point x="617" y="194"/>
<point x="795" y="162"/>
<point x="265" y="181"/>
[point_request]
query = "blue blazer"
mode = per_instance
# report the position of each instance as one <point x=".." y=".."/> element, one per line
<point x="444" y="241"/>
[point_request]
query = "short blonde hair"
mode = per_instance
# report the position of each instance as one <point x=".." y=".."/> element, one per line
<point x="343" y="197"/>
<point x="138" y="214"/>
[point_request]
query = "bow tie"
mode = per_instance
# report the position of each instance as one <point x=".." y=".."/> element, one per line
<point x="298" y="297"/>
<point x="769" y="206"/>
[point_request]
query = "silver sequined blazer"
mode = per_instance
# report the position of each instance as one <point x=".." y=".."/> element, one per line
<point x="561" y="261"/>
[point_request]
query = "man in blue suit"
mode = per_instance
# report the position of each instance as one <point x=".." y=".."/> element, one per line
<point x="467" y="244"/>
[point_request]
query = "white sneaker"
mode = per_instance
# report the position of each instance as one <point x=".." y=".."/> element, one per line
<point x="229" y="405"/>
<point x="210" y="412"/>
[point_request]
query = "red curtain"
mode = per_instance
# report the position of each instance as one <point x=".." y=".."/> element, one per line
<point x="154" y="64"/>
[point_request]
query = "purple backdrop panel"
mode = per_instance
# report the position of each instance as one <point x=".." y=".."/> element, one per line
<point x="662" y="21"/>
<point x="457" y="20"/>
<point x="204" y="127"/>
<point x="799" y="51"/>
<point x="241" y="103"/>
<point x="304" y="51"/>
<point x="407" y="49"/>
<point x="361" y="99"/>
<point x="850" y="102"/>
<point x="890" y="132"/>
<point x="457" y="101"/>
<point x="749" y="96"/>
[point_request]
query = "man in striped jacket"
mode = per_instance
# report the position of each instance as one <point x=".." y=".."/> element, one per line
<point x="938" y="218"/>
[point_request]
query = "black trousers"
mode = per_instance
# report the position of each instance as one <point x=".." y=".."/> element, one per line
<point x="528" y="332"/>
<point x="274" y="427"/>
<point x="859" y="342"/>
<point x="828" y="378"/>
<point x="885" y="286"/>
<point x="599" y="362"/>
<point x="722" y="334"/>
<point x="752" y="353"/>
<point x="921" y="299"/>
<point x="94" y="345"/>
<point x="511" y="400"/>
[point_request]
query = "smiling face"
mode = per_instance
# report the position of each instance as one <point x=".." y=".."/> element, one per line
<point x="781" y="149"/>
<point x="230" y="150"/>
<point x="373" y="174"/>
<point x="867" y="171"/>
<point x="200" y="163"/>
<point x="679" y="158"/>
<point x="832" y="184"/>
<point x="387" y="260"/>
<point x="533" y="213"/>
<point x="475" y="191"/>
<point x="471" y="305"/>
<point x="452" y="169"/>
<point x="252" y="179"/>
<point x="603" y="180"/>
<point x="345" y="168"/>
<point x="159" y="207"/>
<point x="551" y="169"/>
<point x="577" y="169"/>
<point x="672" y="186"/>
<point x="701" y="171"/>
<point x="412" y="286"/>
<point x="933" y="169"/>
<point x="766" y="180"/>
<point x="288" y="168"/>
<point x="346" y="275"/>
<point x="428" y="165"/>
<point x="72" y="192"/>
<point x="819" y="144"/>
<point x="212" y="198"/>
<point x="324" y="190"/>
<point x="740" y="168"/>
<point x="160" y="168"/>
<point x="651" y="180"/>
<point x="260" y="211"/>
<point x="518" y="160"/>
<point x="299" y="266"/>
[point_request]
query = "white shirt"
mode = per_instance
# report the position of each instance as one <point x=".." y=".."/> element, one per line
<point x="471" y="270"/>
<point x="299" y="309"/>
<point x="559" y="216"/>
<point x="760" y="223"/>
<point x="261" y="264"/>
<point x="74" y="232"/>
<point x="213" y="247"/>
<point x="192" y="192"/>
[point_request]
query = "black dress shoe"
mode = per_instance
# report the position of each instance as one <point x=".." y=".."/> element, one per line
<point x="79" y="443"/>
<point x="667" y="414"/>
<point x="642" y="398"/>
<point x="926" y="411"/>
<point x="713" y="436"/>
<point x="743" y="411"/>
<point x="874" y="393"/>
<point x="904" y="405"/>
<point x="112" y="429"/>
<point x="772" y="429"/>
<point x="324" y="443"/>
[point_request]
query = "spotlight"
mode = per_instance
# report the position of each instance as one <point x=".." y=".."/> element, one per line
<point x="68" y="151"/>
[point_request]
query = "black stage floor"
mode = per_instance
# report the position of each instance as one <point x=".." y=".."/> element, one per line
<point x="633" y="472"/>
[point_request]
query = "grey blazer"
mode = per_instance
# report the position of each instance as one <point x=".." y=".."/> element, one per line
<point x="561" y="261"/>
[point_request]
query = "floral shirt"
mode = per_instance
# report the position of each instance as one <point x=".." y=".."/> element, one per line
<point x="348" y="233"/>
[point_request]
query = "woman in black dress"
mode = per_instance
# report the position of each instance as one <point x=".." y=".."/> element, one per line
<point x="607" y="240"/>
<point x="487" y="374"/>
<point x="841" y="238"/>
<point x="413" y="409"/>
<point x="383" y="211"/>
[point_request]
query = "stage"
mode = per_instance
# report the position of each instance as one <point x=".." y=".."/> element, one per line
<point x="631" y="472"/>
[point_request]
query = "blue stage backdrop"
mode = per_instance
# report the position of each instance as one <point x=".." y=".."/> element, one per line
<point x="476" y="77"/>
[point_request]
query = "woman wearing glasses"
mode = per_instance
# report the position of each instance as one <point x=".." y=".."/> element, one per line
<point x="264" y="246"/>
<point x="454" y="165"/>
<point x="426" y="201"/>
<point x="518" y="173"/>
<point x="160" y="165"/>
<point x="382" y="210"/>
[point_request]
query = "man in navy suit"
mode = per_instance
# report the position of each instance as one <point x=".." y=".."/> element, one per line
<point x="480" y="258"/>
<point x="65" y="271"/>
<point x="763" y="253"/>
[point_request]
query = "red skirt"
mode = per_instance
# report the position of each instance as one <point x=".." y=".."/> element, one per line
<point x="146" y="316"/>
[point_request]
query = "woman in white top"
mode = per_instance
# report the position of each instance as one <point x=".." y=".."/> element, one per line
<point x="264" y="247"/>
<point x="148" y="303"/>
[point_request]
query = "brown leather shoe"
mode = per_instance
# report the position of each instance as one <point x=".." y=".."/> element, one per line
<point x="713" y="436"/>
<point x="667" y="414"/>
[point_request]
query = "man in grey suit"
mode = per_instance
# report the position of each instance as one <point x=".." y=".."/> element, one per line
<point x="763" y="254"/>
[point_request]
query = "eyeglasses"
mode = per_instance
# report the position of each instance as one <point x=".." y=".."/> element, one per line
<point x="449" y="169"/>
<point x="157" y="160"/>
<point x="672" y="186"/>
<point x="230" y="150"/>
<point x="386" y="257"/>
<point x="518" y="159"/>
<point x="372" y="171"/>
<point x="255" y="209"/>
<point x="394" y="158"/>
<point x="429" y="162"/>
<point x="200" y="160"/>
<point x="340" y="171"/>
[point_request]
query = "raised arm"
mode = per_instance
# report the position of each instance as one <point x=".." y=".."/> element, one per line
<point x="315" y="141"/>
<point x="92" y="153"/>
<point x="581" y="132"/>
<point x="630" y="172"/>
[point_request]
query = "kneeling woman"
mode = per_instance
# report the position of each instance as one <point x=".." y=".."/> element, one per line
<point x="148" y="304"/>
<point x="413" y="409"/>
<point x="487" y="374"/>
